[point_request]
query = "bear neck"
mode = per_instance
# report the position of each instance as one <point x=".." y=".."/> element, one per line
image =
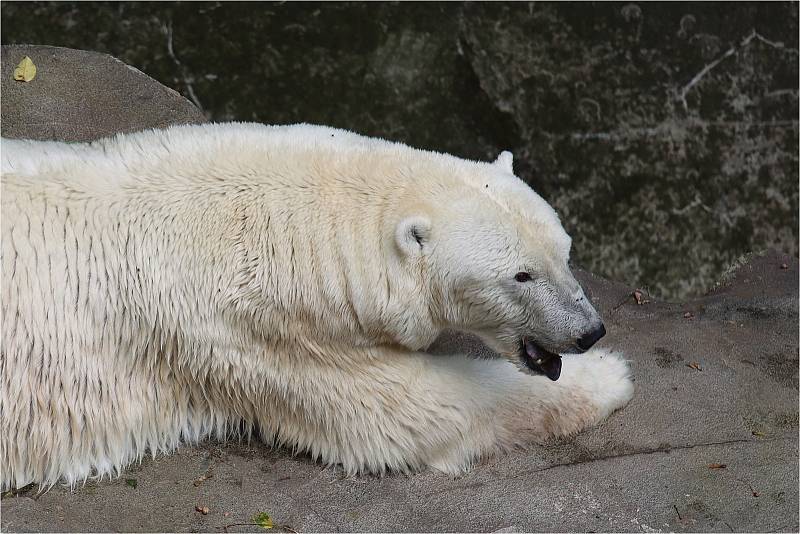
<point x="222" y="244"/>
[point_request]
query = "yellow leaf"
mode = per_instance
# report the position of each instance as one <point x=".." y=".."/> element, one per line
<point x="263" y="520"/>
<point x="25" y="71"/>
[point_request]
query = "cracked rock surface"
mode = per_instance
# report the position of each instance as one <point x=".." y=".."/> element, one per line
<point x="716" y="384"/>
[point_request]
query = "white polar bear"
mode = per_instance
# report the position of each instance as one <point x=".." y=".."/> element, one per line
<point x="166" y="286"/>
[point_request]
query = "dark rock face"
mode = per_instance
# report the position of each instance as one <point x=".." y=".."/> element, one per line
<point x="664" y="133"/>
<point x="716" y="383"/>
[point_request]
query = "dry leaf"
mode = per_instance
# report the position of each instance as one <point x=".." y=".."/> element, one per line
<point x="694" y="365"/>
<point x="202" y="509"/>
<point x="263" y="520"/>
<point x="756" y="494"/>
<point x="758" y="433"/>
<point x="717" y="466"/>
<point x="639" y="296"/>
<point x="202" y="478"/>
<point x="25" y="71"/>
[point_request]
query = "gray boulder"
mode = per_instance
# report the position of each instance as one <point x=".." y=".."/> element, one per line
<point x="79" y="96"/>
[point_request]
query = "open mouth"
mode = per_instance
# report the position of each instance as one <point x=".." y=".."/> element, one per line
<point x="539" y="360"/>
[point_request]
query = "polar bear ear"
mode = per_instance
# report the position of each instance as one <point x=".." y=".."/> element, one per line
<point x="506" y="161"/>
<point x="412" y="234"/>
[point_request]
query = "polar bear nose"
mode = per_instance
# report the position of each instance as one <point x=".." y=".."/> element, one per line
<point x="586" y="341"/>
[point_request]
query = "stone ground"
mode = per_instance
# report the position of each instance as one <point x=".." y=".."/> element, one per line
<point x="716" y="385"/>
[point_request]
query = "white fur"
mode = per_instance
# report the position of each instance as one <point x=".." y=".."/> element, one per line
<point x="506" y="161"/>
<point x="167" y="286"/>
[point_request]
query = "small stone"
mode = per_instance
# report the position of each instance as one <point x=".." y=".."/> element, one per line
<point x="202" y="509"/>
<point x="199" y="480"/>
<point x="784" y="266"/>
<point x="688" y="315"/>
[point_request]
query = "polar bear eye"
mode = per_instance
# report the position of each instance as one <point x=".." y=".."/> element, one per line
<point x="522" y="277"/>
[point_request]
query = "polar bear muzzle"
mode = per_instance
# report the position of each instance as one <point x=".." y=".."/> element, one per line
<point x="539" y="360"/>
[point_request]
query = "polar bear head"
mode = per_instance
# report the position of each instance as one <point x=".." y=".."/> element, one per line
<point x="496" y="257"/>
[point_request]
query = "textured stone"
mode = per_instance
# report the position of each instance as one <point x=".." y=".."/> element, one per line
<point x="665" y="139"/>
<point x="79" y="96"/>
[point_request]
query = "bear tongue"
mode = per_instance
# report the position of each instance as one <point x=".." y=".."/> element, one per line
<point x="542" y="361"/>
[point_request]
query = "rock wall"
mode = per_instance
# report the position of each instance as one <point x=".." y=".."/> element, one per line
<point x="664" y="133"/>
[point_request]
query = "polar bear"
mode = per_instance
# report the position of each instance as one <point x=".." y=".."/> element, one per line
<point x="201" y="281"/>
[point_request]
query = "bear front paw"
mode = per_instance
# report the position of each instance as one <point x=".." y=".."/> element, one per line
<point x="604" y="376"/>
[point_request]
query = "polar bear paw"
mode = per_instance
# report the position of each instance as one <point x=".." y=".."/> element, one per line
<point x="604" y="377"/>
<point x="591" y="387"/>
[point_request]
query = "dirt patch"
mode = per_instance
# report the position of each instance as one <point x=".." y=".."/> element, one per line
<point x="666" y="358"/>
<point x="781" y="368"/>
